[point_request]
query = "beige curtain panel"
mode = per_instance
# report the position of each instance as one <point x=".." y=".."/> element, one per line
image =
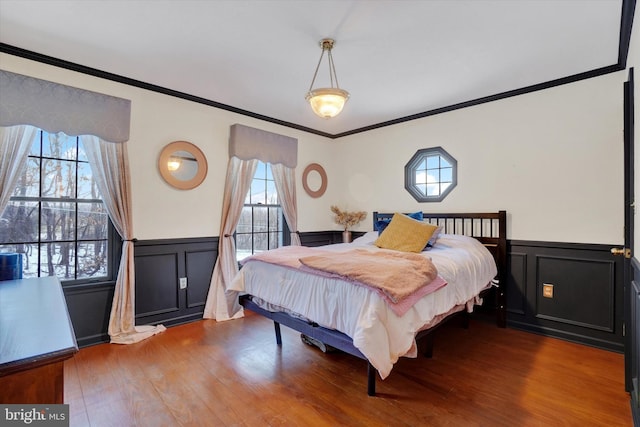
<point x="221" y="304"/>
<point x="285" y="180"/>
<point x="110" y="168"/>
<point x="15" y="143"/>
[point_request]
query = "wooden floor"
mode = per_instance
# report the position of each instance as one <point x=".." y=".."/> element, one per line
<point x="233" y="374"/>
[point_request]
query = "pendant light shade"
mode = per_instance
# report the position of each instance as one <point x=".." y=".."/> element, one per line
<point x="327" y="102"/>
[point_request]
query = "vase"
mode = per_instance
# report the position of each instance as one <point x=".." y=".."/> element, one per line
<point x="346" y="236"/>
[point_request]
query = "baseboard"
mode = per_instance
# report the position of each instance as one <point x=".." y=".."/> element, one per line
<point x="567" y="336"/>
<point x="92" y="340"/>
<point x="175" y="321"/>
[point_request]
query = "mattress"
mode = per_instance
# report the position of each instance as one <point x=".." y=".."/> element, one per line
<point x="381" y="335"/>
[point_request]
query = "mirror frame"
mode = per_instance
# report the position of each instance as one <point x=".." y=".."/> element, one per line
<point x="323" y="180"/>
<point x="171" y="148"/>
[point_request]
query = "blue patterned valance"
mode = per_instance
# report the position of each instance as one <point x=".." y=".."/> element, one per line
<point x="59" y="108"/>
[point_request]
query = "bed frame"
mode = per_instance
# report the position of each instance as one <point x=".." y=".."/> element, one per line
<point x="489" y="228"/>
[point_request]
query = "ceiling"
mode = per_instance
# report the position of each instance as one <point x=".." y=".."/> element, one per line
<point x="398" y="59"/>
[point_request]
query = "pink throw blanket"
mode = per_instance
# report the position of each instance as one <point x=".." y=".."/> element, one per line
<point x="401" y="278"/>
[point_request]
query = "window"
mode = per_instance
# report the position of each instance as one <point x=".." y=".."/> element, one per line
<point x="56" y="217"/>
<point x="430" y="174"/>
<point x="261" y="223"/>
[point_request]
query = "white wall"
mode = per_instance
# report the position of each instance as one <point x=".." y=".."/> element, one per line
<point x="552" y="159"/>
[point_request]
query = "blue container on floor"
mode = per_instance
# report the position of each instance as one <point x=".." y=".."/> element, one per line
<point x="10" y="266"/>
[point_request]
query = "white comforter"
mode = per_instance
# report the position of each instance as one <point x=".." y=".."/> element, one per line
<point x="376" y="330"/>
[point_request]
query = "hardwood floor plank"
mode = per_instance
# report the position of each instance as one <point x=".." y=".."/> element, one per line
<point x="232" y="373"/>
<point x="73" y="394"/>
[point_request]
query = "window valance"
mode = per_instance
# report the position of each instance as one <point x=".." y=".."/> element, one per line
<point x="57" y="108"/>
<point x="248" y="143"/>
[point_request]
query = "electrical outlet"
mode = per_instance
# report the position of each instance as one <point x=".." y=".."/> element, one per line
<point x="547" y="290"/>
<point x="183" y="283"/>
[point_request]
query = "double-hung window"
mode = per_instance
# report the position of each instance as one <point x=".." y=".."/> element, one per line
<point x="261" y="223"/>
<point x="56" y="217"/>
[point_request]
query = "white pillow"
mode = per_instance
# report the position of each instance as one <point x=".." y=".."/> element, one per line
<point x="367" y="239"/>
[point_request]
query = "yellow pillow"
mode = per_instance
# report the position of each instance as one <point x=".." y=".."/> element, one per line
<point x="405" y="234"/>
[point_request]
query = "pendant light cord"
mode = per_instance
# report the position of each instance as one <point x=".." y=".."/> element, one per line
<point x="317" y="68"/>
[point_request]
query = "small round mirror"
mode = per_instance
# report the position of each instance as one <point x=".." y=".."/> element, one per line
<point x="182" y="165"/>
<point x="314" y="180"/>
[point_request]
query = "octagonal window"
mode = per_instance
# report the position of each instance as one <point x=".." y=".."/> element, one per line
<point x="430" y="175"/>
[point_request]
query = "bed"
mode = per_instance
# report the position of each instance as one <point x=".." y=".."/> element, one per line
<point x="470" y="256"/>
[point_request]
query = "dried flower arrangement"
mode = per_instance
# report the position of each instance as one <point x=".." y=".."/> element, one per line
<point x="347" y="219"/>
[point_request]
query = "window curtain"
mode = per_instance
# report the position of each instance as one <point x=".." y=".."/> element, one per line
<point x="15" y="143"/>
<point x="223" y="305"/>
<point x="246" y="146"/>
<point x="110" y="168"/>
<point x="285" y="180"/>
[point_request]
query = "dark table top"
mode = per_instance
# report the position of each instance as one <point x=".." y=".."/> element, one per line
<point x="35" y="328"/>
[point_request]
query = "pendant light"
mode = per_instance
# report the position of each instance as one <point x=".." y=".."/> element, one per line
<point x="327" y="102"/>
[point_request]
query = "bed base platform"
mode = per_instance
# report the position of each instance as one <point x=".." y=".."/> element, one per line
<point x="337" y="339"/>
<point x="329" y="337"/>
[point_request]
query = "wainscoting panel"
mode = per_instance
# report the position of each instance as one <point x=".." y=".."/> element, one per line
<point x="570" y="291"/>
<point x="591" y="284"/>
<point x="156" y="278"/>
<point x="321" y="238"/>
<point x="89" y="308"/>
<point x="199" y="269"/>
<point x="517" y="283"/>
<point x="318" y="238"/>
<point x="160" y="264"/>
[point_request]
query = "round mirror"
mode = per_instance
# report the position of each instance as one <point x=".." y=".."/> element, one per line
<point x="314" y="180"/>
<point x="182" y="165"/>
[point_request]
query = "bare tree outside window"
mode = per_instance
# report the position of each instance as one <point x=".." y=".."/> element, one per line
<point x="56" y="217"/>
<point x="261" y="222"/>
